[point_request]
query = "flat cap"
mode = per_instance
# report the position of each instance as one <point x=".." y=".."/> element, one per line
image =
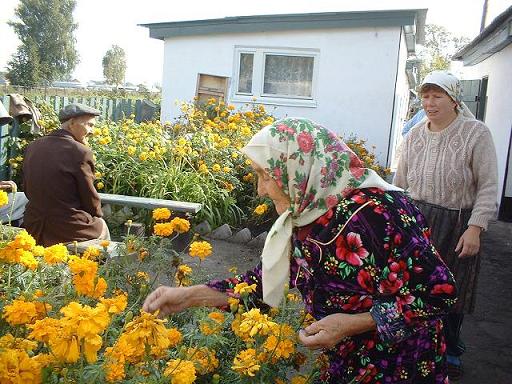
<point x="75" y="110"/>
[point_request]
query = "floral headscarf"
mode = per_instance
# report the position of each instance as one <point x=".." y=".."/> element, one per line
<point x="452" y="86"/>
<point x="316" y="169"/>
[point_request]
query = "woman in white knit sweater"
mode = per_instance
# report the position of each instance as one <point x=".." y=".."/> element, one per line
<point x="448" y="166"/>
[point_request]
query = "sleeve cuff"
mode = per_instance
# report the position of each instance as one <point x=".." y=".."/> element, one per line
<point x="479" y="221"/>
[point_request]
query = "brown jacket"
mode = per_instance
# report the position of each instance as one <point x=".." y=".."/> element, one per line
<point x="63" y="205"/>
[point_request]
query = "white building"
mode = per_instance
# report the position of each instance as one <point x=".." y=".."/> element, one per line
<point x="345" y="70"/>
<point x="488" y="60"/>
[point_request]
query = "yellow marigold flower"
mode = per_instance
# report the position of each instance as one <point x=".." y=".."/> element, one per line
<point x="184" y="269"/>
<point x="8" y="341"/>
<point x="230" y="107"/>
<point x="23" y="240"/>
<point x="114" y="371"/>
<point x="97" y="175"/>
<point x="245" y="363"/>
<point x="143" y="156"/>
<point x="44" y="329"/>
<point x="175" y="337"/>
<point x="38" y="251"/>
<point x="226" y="169"/>
<point x="147" y="329"/>
<point x="279" y="347"/>
<point x="100" y="185"/>
<point x="161" y="214"/>
<point x="27" y="259"/>
<point x="204" y="360"/>
<point x="208" y="329"/>
<point x="261" y="209"/>
<point x="246" y="131"/>
<point x="20" y="312"/>
<point x="104" y="243"/>
<point x="16" y="366"/>
<point x="234" y="155"/>
<point x="4" y="198"/>
<point x="233" y="270"/>
<point x="116" y="304"/>
<point x="91" y="253"/>
<point x="101" y="287"/>
<point x="65" y="346"/>
<point x="131" y="150"/>
<point x="143" y="276"/>
<point x="218" y="317"/>
<point x="249" y="177"/>
<point x="55" y="254"/>
<point x="299" y="380"/>
<point x="244" y="288"/>
<point x="203" y="168"/>
<point x="180" y="225"/>
<point x="163" y="229"/>
<point x="180" y="371"/>
<point x="201" y="249"/>
<point x="216" y="167"/>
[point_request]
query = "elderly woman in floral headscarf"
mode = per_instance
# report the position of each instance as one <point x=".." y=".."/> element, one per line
<point x="448" y="166"/>
<point x="356" y="249"/>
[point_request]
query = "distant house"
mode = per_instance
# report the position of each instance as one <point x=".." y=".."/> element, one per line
<point x="488" y="60"/>
<point x="345" y="70"/>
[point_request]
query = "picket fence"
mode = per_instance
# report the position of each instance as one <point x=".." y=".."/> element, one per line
<point x="111" y="109"/>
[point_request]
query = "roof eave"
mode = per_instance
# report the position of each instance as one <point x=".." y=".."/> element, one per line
<point x="492" y="39"/>
<point x="265" y="23"/>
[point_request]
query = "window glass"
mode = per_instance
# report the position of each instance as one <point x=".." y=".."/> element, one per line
<point x="246" y="69"/>
<point x="288" y="75"/>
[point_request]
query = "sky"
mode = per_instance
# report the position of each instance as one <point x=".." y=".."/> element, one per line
<point x="103" y="23"/>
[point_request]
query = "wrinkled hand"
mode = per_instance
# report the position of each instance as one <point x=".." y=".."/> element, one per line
<point x="167" y="300"/>
<point x="469" y="242"/>
<point x="8" y="185"/>
<point x="329" y="331"/>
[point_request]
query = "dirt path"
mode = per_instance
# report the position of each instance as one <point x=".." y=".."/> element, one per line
<point x="487" y="332"/>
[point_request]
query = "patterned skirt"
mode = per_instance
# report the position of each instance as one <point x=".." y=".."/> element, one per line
<point x="447" y="226"/>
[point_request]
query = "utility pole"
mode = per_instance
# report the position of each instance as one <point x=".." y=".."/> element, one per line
<point x="484" y="15"/>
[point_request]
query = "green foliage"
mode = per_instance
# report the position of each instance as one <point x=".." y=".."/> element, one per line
<point x="47" y="51"/>
<point x="440" y="46"/>
<point x="114" y="65"/>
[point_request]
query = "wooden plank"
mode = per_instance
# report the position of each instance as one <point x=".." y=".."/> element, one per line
<point x="149" y="203"/>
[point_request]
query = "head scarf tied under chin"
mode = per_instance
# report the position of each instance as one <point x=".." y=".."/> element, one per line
<point x="316" y="169"/>
<point x="452" y="86"/>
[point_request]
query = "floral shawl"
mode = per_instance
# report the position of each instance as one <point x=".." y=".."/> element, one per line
<point x="316" y="169"/>
<point x="452" y="86"/>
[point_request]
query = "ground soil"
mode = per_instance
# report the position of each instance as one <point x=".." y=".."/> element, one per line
<point x="487" y="332"/>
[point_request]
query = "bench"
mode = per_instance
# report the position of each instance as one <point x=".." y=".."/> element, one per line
<point x="149" y="203"/>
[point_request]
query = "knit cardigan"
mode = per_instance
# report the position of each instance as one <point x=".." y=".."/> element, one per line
<point x="455" y="168"/>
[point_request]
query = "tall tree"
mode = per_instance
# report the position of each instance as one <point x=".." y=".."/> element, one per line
<point x="114" y="65"/>
<point x="440" y="46"/>
<point x="47" y="51"/>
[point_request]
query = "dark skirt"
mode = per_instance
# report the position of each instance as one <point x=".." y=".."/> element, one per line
<point x="447" y="226"/>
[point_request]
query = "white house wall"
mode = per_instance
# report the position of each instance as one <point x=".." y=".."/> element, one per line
<point x="498" y="115"/>
<point x="401" y="105"/>
<point x="356" y="77"/>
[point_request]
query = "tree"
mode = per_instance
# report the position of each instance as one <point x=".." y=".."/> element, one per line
<point x="440" y="46"/>
<point x="114" y="65"/>
<point x="47" y="51"/>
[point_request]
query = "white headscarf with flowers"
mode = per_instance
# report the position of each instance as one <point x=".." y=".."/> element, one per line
<point x="452" y="86"/>
<point x="316" y="169"/>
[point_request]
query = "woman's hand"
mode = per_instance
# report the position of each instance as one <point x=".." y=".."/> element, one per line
<point x="171" y="300"/>
<point x="8" y="185"/>
<point x="167" y="300"/>
<point x="329" y="331"/>
<point x="469" y="242"/>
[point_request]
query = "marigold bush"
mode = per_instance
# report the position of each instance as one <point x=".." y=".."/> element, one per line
<point x="66" y="317"/>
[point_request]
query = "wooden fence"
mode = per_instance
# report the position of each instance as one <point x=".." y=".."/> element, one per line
<point x="111" y="109"/>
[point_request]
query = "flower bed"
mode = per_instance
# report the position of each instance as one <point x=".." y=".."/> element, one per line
<point x="70" y="318"/>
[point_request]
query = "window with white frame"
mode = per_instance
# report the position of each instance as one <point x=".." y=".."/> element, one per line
<point x="275" y="76"/>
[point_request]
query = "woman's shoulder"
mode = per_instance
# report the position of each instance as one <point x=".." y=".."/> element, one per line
<point x="472" y="125"/>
